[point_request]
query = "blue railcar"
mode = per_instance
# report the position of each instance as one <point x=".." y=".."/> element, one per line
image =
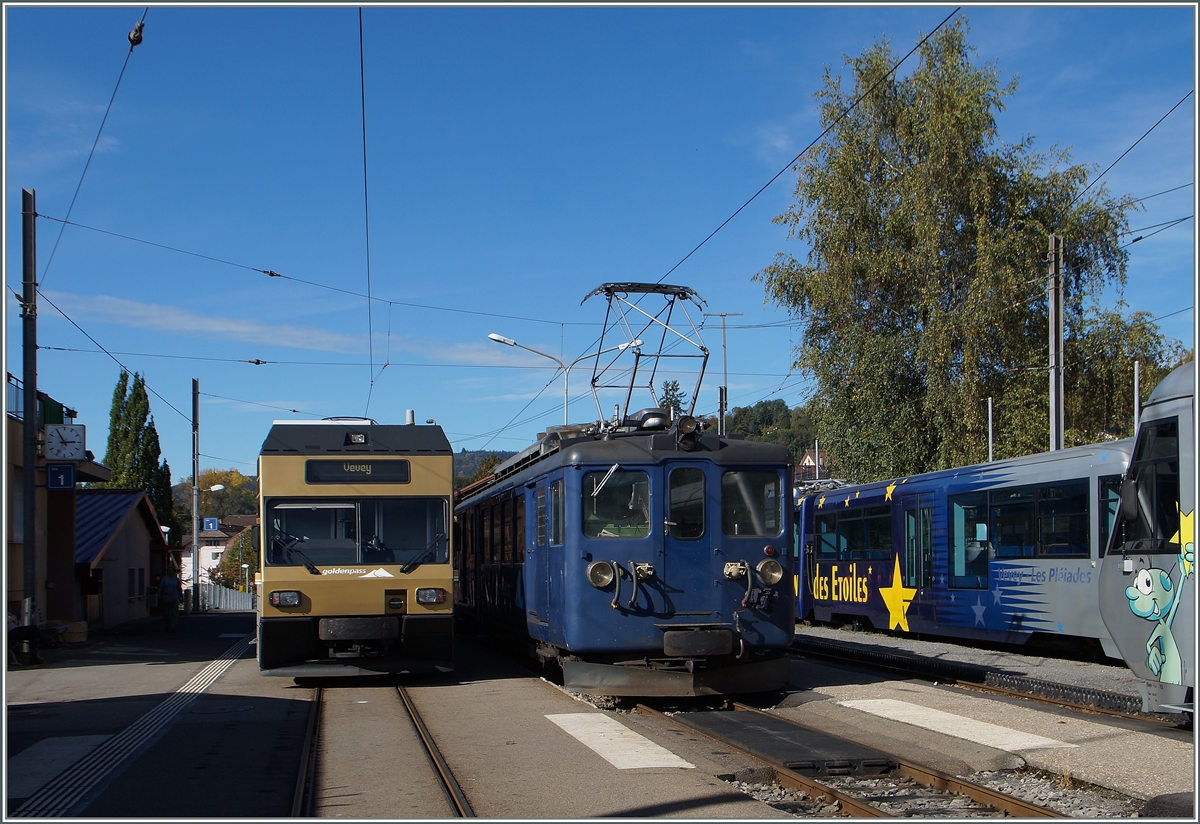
<point x="643" y="555"/>
<point x="997" y="552"/>
<point x="1148" y="585"/>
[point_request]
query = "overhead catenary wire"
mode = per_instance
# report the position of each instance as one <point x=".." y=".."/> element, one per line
<point x="362" y="74"/>
<point x="1100" y="176"/>
<point x="135" y="37"/>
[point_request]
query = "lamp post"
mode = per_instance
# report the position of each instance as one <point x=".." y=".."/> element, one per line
<point x="245" y="577"/>
<point x="566" y="368"/>
<point x="196" y="521"/>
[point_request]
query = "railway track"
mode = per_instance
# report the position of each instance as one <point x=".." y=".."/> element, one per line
<point x="844" y="778"/>
<point x="307" y="789"/>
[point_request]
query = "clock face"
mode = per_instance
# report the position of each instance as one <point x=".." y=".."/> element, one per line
<point x="65" y="442"/>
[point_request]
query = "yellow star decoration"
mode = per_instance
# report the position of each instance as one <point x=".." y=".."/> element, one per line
<point x="897" y="597"/>
<point x="856" y="496"/>
<point x="1187" y="527"/>
<point x="821" y="502"/>
<point x="847" y="500"/>
<point x="890" y="489"/>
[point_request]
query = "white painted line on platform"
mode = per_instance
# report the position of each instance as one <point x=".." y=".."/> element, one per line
<point x="981" y="732"/>
<point x="31" y="768"/>
<point x="616" y="743"/>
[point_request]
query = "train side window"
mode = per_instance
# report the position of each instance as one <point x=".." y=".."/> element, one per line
<point x="1155" y="470"/>
<point x="1110" y="502"/>
<point x="750" y="503"/>
<point x="826" y="534"/>
<point x="540" y="506"/>
<point x="1063" y="519"/>
<point x="878" y="528"/>
<point x="485" y="556"/>
<point x="969" y="545"/>
<point x="686" y="518"/>
<point x="1013" y="525"/>
<point x="506" y="530"/>
<point x="556" y="513"/>
<point x="519" y="529"/>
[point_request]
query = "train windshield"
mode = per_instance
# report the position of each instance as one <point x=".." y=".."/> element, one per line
<point x="750" y="503"/>
<point x="1154" y="473"/>
<point x="344" y="531"/>
<point x="616" y="504"/>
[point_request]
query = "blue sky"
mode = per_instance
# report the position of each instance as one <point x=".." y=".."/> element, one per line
<point x="516" y="159"/>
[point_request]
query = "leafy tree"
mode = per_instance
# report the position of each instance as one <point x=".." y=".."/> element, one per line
<point x="671" y="397"/>
<point x="133" y="452"/>
<point x="923" y="291"/>
<point x="1101" y="364"/>
<point x="239" y="497"/>
<point x="229" y="572"/>
<point x="772" y="421"/>
<point x="487" y="465"/>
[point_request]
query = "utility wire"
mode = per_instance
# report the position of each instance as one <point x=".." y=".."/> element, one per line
<point x="816" y="140"/>
<point x="1152" y="234"/>
<point x="110" y="354"/>
<point x="135" y="37"/>
<point x="1130" y="149"/>
<point x="1164" y="192"/>
<point x="274" y="274"/>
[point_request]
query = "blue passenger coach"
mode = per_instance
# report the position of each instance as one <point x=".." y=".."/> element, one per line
<point x="995" y="552"/>
<point x="643" y="555"/>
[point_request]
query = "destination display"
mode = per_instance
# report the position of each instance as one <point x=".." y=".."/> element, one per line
<point x="356" y="472"/>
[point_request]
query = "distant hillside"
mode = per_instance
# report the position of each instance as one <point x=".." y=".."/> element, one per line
<point x="466" y="463"/>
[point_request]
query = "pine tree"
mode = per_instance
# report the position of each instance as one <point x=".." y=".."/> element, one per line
<point x="133" y="452"/>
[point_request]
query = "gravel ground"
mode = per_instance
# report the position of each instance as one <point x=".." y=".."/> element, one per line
<point x="1075" y="800"/>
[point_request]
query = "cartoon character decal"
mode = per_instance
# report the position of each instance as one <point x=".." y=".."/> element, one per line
<point x="1154" y="597"/>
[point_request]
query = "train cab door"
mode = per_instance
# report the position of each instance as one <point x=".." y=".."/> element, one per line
<point x="689" y="541"/>
<point x="916" y="563"/>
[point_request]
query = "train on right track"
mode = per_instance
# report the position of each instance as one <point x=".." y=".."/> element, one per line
<point x="1088" y="545"/>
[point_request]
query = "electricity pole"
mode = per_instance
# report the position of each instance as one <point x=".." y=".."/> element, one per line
<point x="195" y="495"/>
<point x="1054" y="292"/>
<point x="30" y="428"/>
<point x="723" y="394"/>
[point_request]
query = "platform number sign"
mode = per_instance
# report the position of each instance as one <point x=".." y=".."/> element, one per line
<point x="211" y="524"/>
<point x="60" y="476"/>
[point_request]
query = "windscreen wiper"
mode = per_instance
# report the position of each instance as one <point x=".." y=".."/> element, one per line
<point x="290" y="550"/>
<point x="427" y="554"/>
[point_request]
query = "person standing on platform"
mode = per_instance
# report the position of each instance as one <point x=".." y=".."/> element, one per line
<point x="170" y="593"/>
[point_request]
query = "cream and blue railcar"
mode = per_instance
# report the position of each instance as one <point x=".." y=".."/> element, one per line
<point x="355" y="531"/>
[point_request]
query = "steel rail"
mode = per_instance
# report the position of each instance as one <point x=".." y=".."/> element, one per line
<point x="302" y="796"/>
<point x="788" y="778"/>
<point x="454" y="794"/>
<point x="938" y="780"/>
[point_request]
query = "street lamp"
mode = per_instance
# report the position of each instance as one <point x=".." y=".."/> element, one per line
<point x="245" y="577"/>
<point x="565" y="368"/>
<point x="196" y="490"/>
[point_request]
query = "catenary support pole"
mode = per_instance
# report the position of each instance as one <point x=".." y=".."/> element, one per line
<point x="989" y="430"/>
<point x="1054" y="293"/>
<point x="195" y="494"/>
<point x="30" y="426"/>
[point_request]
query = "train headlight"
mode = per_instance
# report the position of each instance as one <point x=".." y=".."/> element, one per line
<point x="687" y="425"/>
<point x="285" y="598"/>
<point x="431" y="595"/>
<point x="600" y="574"/>
<point x="770" y="571"/>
